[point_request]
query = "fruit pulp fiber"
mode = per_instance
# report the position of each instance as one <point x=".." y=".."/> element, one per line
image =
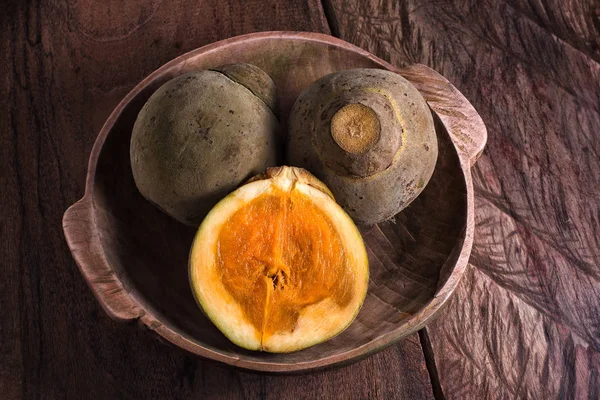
<point x="278" y="254"/>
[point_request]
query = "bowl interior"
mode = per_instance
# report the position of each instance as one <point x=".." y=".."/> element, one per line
<point x="410" y="256"/>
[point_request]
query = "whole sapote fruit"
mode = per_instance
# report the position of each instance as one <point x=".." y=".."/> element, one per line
<point x="202" y="134"/>
<point x="369" y="135"/>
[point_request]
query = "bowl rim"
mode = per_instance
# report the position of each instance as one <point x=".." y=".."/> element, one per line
<point x="154" y="320"/>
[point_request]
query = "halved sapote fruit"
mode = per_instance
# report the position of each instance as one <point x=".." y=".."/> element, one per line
<point x="277" y="265"/>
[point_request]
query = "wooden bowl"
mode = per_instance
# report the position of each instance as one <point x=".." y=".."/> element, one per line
<point x="134" y="257"/>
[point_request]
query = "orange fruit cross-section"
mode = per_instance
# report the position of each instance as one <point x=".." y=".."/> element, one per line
<point x="278" y="254"/>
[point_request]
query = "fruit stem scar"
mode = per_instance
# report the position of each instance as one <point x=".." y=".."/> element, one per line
<point x="392" y="101"/>
<point x="355" y="128"/>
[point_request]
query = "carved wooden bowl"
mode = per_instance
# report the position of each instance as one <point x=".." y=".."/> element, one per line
<point x="134" y="257"/>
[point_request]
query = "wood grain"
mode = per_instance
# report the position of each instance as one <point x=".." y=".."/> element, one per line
<point x="526" y="322"/>
<point x="575" y="22"/>
<point x="69" y="64"/>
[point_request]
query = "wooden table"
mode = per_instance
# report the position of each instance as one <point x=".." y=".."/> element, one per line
<point x="525" y="322"/>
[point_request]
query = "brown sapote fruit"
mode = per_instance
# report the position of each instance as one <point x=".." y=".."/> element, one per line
<point x="368" y="134"/>
<point x="277" y="265"/>
<point x="201" y="135"/>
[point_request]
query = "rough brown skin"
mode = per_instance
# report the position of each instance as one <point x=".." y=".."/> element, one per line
<point x="199" y="136"/>
<point x="372" y="185"/>
<point x="253" y="78"/>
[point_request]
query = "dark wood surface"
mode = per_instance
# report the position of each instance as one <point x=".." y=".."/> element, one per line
<point x="524" y="323"/>
<point x="68" y="66"/>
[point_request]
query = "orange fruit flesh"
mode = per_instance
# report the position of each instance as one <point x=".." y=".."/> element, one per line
<point x="278" y="254"/>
